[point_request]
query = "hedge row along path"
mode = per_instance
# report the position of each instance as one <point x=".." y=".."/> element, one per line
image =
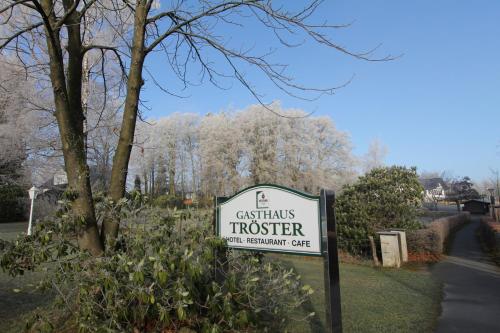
<point x="471" y="285"/>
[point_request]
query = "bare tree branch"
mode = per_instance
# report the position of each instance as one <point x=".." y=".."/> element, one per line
<point x="209" y="12"/>
<point x="115" y="50"/>
<point x="67" y="14"/>
<point x="19" y="33"/>
<point x="12" y="5"/>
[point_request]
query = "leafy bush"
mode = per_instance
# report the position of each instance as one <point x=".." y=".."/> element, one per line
<point x="168" y="201"/>
<point x="205" y="201"/>
<point x="383" y="198"/>
<point x="11" y="203"/>
<point x="159" y="278"/>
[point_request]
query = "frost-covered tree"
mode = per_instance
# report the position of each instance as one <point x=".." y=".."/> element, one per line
<point x="375" y="156"/>
<point x="175" y="139"/>
<point x="333" y="164"/>
<point x="189" y="152"/>
<point x="102" y="137"/>
<point x="143" y="158"/>
<point x="27" y="137"/>
<point x="12" y="125"/>
<point x="259" y="134"/>
<point x="222" y="152"/>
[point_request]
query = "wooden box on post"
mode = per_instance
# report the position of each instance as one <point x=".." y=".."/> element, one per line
<point x="403" y="248"/>
<point x="389" y="244"/>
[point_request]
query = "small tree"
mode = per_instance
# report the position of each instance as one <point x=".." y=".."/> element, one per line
<point x="374" y="157"/>
<point x="384" y="198"/>
<point x="460" y="190"/>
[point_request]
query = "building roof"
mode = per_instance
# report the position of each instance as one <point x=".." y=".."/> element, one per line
<point x="432" y="183"/>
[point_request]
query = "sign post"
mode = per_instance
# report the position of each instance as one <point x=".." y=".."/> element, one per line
<point x="273" y="218"/>
<point x="331" y="262"/>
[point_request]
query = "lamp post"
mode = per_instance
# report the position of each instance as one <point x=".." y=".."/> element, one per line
<point x="492" y="201"/>
<point x="33" y="192"/>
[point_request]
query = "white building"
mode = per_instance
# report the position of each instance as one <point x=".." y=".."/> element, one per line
<point x="434" y="189"/>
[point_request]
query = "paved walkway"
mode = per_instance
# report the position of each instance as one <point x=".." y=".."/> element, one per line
<point x="471" y="299"/>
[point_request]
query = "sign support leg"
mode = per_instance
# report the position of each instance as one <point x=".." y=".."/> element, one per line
<point x="220" y="253"/>
<point x="331" y="263"/>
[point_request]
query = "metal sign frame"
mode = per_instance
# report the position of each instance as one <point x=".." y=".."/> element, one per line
<point x="222" y="200"/>
<point x="328" y="248"/>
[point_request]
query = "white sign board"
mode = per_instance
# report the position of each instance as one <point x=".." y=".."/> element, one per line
<point x="271" y="218"/>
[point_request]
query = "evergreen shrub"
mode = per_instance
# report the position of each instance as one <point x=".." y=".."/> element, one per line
<point x="12" y="203"/>
<point x="387" y="197"/>
<point x="158" y="277"/>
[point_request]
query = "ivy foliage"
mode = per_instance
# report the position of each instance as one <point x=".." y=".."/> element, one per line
<point x="160" y="277"/>
<point x="386" y="197"/>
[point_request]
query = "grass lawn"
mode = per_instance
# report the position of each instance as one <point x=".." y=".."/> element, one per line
<point x="374" y="300"/>
<point x="17" y="297"/>
<point x="9" y="231"/>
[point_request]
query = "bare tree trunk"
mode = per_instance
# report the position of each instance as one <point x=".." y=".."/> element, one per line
<point x="69" y="115"/>
<point x="126" y="140"/>
<point x="145" y="176"/>
<point x="152" y="185"/>
<point x="171" y="172"/>
<point x="193" y="169"/>
<point x="183" y="173"/>
<point x="202" y="184"/>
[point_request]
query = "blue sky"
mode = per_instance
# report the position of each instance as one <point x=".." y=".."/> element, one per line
<point x="436" y="107"/>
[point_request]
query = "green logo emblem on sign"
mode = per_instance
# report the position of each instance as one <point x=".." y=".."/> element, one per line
<point x="262" y="199"/>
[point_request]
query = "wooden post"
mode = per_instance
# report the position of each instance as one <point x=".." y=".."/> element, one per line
<point x="374" y="251"/>
<point x="331" y="263"/>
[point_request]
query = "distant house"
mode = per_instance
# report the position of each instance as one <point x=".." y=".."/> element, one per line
<point x="58" y="182"/>
<point x="60" y="178"/>
<point x="434" y="189"/>
<point x="54" y="187"/>
<point x="51" y="192"/>
<point x="476" y="206"/>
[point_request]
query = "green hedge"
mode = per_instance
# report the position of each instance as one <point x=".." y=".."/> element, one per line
<point x="12" y="203"/>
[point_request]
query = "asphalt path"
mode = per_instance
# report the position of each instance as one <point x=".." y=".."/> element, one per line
<point x="471" y="294"/>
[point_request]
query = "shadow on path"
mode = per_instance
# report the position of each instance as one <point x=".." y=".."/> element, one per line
<point x="471" y="293"/>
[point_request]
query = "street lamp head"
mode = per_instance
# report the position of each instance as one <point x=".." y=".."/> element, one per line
<point x="33" y="192"/>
